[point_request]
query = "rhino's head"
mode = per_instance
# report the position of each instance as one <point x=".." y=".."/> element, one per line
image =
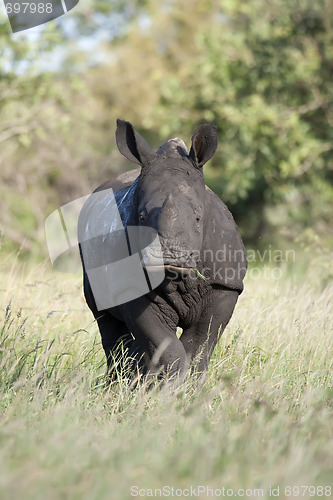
<point x="171" y="191"/>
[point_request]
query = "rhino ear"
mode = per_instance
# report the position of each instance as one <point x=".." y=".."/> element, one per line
<point x="204" y="144"/>
<point x="132" y="145"/>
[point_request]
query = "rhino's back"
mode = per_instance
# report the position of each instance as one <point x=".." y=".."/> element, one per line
<point x="124" y="180"/>
<point x="107" y="210"/>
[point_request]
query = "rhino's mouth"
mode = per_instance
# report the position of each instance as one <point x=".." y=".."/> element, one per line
<point x="175" y="261"/>
<point x="169" y="267"/>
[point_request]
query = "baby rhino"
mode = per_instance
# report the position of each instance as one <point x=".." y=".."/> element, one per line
<point x="159" y="251"/>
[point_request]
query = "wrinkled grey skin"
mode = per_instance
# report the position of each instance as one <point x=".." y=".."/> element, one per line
<point x="196" y="231"/>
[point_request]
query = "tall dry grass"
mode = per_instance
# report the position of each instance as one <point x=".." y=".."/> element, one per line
<point x="262" y="419"/>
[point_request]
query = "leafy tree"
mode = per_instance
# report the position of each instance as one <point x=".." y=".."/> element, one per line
<point x="42" y="128"/>
<point x="263" y="72"/>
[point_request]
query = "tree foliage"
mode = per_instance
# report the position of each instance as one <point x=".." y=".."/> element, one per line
<point x="262" y="71"/>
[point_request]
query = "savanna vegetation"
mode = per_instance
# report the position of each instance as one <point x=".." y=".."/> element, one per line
<point x="263" y="72"/>
<point x="261" y="420"/>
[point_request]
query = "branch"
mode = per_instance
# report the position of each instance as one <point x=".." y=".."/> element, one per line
<point x="307" y="164"/>
<point x="17" y="130"/>
<point x="12" y="235"/>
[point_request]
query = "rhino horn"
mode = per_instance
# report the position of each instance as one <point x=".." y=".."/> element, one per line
<point x="168" y="215"/>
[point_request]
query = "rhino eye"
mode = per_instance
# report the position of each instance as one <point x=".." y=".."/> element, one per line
<point x="142" y="216"/>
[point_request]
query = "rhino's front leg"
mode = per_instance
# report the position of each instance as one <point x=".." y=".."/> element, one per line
<point x="114" y="332"/>
<point x="154" y="329"/>
<point x="115" y="340"/>
<point x="200" y="339"/>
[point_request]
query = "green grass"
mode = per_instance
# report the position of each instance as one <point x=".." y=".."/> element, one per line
<point x="263" y="417"/>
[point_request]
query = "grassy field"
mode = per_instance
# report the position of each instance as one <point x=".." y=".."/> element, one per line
<point x="260" y="426"/>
